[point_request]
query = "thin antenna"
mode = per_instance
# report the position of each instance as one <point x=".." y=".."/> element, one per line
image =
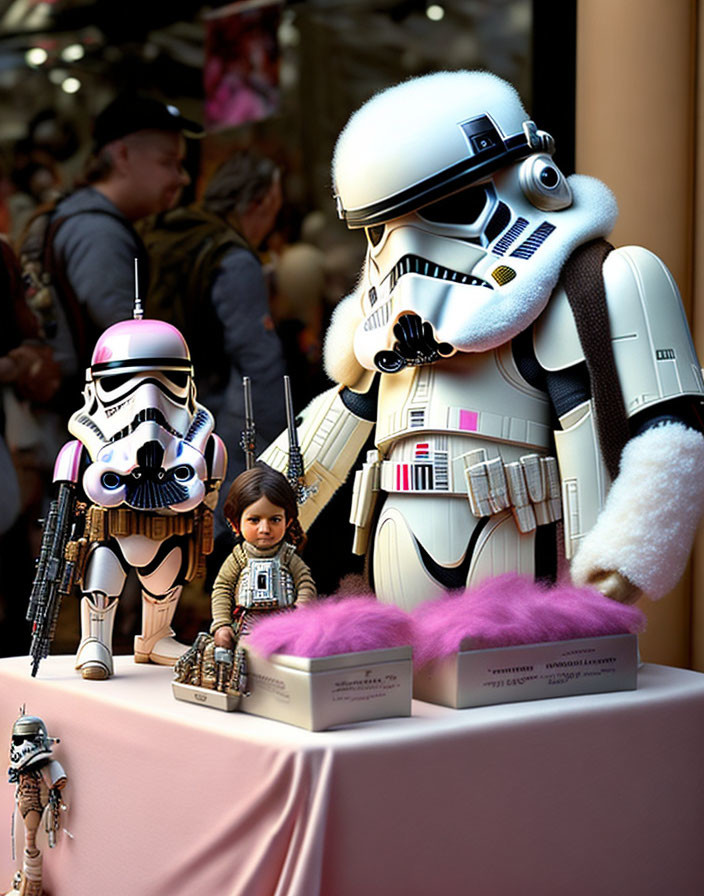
<point x="248" y="438"/>
<point x="138" y="311"/>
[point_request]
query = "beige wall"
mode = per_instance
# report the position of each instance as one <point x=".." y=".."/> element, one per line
<point x="698" y="329"/>
<point x="636" y="130"/>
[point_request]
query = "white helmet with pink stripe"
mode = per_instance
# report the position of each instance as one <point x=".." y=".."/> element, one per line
<point x="140" y="423"/>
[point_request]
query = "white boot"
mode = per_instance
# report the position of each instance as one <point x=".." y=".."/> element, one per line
<point x="157" y="644"/>
<point x="94" y="657"/>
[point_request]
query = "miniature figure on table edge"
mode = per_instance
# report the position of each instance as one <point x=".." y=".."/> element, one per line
<point x="39" y="781"/>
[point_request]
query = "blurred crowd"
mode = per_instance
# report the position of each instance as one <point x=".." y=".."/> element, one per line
<point x="248" y="277"/>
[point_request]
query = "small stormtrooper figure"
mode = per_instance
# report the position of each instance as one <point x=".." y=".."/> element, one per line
<point x="142" y="479"/>
<point x="476" y="349"/>
<point x="39" y="780"/>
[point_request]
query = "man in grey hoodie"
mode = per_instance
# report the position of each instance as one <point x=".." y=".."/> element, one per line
<point x="135" y="170"/>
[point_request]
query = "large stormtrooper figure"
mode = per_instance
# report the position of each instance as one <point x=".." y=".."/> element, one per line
<point x="139" y="484"/>
<point x="475" y="350"/>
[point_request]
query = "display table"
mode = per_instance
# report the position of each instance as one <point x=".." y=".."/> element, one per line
<point x="575" y="796"/>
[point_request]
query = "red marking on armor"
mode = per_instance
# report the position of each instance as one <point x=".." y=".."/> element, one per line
<point x="469" y="420"/>
<point x="406" y="484"/>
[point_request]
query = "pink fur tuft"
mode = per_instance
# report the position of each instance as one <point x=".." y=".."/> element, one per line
<point x="512" y="609"/>
<point x="332" y="626"/>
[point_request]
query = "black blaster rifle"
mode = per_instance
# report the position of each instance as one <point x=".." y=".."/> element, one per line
<point x="54" y="575"/>
<point x="296" y="472"/>
<point x="248" y="437"/>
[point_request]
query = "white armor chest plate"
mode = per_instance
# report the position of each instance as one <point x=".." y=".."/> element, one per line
<point x="437" y="420"/>
<point x="265" y="583"/>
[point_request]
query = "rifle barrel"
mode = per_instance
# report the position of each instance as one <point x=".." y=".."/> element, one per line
<point x="248" y="439"/>
<point x="290" y="416"/>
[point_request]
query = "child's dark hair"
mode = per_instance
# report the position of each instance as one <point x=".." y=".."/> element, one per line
<point x="263" y="480"/>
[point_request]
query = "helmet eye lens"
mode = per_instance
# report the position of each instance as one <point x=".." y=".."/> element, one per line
<point x="374" y="234"/>
<point x="114" y="381"/>
<point x="178" y="377"/>
<point x="464" y="207"/>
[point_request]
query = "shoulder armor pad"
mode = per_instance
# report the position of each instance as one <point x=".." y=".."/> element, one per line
<point x="653" y="348"/>
<point x="218" y="460"/>
<point x="652" y="345"/>
<point x="67" y="467"/>
<point x="54" y="774"/>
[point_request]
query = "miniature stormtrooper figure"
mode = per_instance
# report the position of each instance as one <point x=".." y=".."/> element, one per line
<point x="146" y="468"/>
<point x="39" y="780"/>
<point x="476" y="349"/>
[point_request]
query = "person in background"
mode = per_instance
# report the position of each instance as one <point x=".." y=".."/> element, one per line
<point x="300" y="315"/>
<point x="36" y="181"/>
<point x="28" y="376"/>
<point x="135" y="170"/>
<point x="207" y="279"/>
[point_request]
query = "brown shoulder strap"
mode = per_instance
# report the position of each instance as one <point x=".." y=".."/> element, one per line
<point x="583" y="281"/>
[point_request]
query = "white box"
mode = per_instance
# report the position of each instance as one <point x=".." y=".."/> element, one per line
<point x="530" y="672"/>
<point x="320" y="692"/>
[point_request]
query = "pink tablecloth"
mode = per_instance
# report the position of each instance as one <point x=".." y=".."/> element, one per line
<point x="578" y="795"/>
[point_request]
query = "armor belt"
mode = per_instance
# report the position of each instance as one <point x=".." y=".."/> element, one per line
<point x="120" y="522"/>
<point x="529" y="487"/>
<point x="103" y="522"/>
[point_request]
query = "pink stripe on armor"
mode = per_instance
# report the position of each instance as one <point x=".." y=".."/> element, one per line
<point x="68" y="462"/>
<point x="469" y="420"/>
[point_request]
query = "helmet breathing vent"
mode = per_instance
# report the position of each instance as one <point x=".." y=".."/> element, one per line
<point x="510" y="236"/>
<point x="149" y="486"/>
<point x="200" y="421"/>
<point x="534" y="242"/>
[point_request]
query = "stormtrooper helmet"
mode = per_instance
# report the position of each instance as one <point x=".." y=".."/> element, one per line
<point x="140" y="368"/>
<point x="457" y="192"/>
<point x="30" y="742"/>
<point x="140" y="422"/>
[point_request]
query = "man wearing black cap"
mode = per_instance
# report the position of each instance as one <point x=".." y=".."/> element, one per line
<point x="136" y="169"/>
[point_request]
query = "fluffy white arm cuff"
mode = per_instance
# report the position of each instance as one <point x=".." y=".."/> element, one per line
<point x="339" y="359"/>
<point x="647" y="526"/>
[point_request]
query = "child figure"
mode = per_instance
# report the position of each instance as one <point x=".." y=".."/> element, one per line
<point x="264" y="571"/>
